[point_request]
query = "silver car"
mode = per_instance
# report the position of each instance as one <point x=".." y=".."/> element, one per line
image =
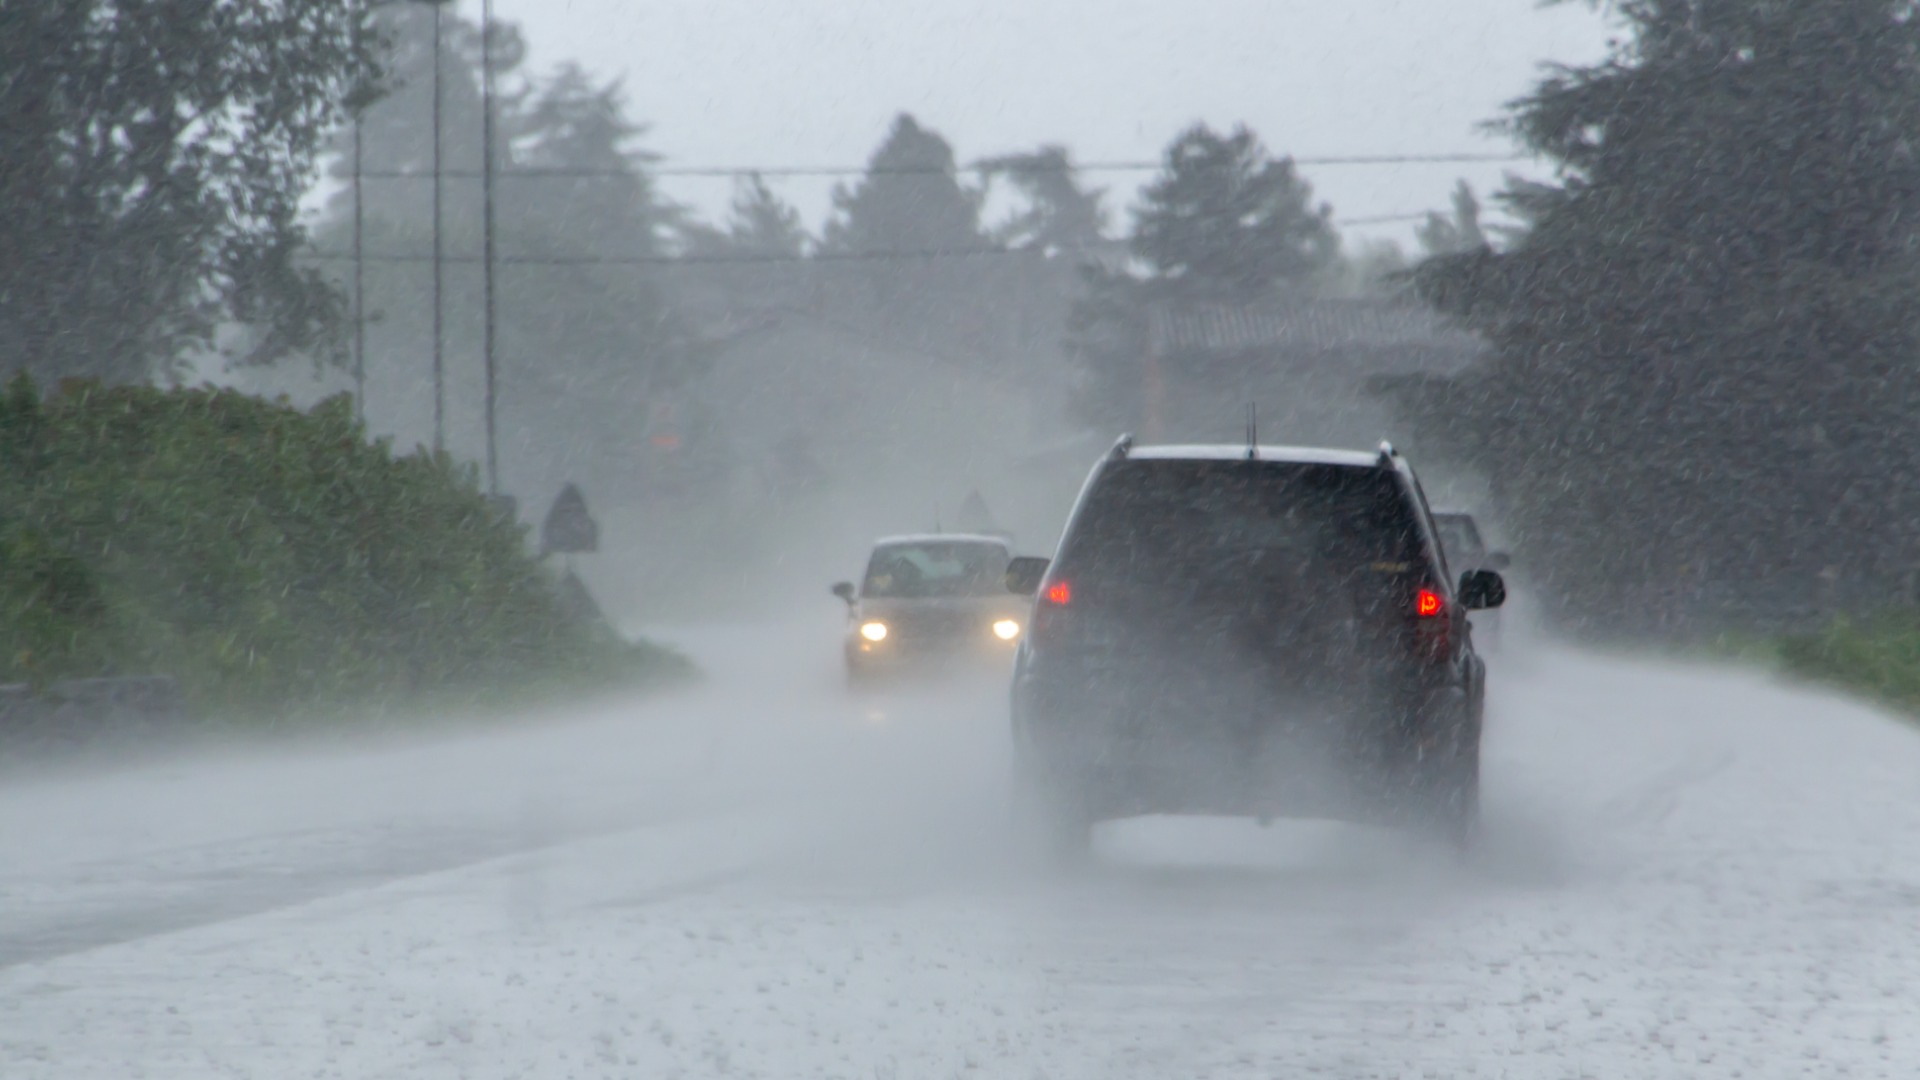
<point x="1466" y="549"/>
<point x="931" y="604"/>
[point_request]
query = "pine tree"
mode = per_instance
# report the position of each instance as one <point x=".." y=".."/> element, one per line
<point x="1060" y="215"/>
<point x="908" y="236"/>
<point x="1442" y="234"/>
<point x="581" y="346"/>
<point x="1223" y="223"/>
<point x="1226" y="222"/>
<point x="590" y="343"/>
<point x="762" y="224"/>
<point x="910" y="200"/>
<point x="1705" y="340"/>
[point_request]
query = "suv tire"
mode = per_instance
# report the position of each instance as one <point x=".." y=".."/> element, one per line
<point x="1455" y="801"/>
<point x="1450" y="781"/>
<point x="1049" y="818"/>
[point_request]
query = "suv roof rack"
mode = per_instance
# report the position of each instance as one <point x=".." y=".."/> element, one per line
<point x="1121" y="447"/>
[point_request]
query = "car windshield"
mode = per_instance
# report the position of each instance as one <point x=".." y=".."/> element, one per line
<point x="936" y="569"/>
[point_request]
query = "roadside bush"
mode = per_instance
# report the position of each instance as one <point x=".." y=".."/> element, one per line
<point x="268" y="558"/>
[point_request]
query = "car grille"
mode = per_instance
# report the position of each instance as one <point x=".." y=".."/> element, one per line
<point x="936" y="627"/>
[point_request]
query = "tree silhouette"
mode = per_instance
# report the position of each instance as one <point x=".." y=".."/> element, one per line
<point x="1224" y="221"/>
<point x="155" y="157"/>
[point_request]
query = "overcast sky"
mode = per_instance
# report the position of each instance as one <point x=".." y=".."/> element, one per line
<point x="816" y="82"/>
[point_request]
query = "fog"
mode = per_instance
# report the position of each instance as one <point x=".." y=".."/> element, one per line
<point x="818" y="883"/>
<point x="904" y="790"/>
<point x="1342" y="79"/>
<point x="327" y="749"/>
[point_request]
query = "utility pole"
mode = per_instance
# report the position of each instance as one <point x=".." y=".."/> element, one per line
<point x="359" y="261"/>
<point x="486" y="188"/>
<point x="439" y="362"/>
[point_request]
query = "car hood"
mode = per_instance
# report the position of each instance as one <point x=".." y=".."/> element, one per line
<point x="983" y="606"/>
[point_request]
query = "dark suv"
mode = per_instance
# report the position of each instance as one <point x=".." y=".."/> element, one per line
<point x="1267" y="632"/>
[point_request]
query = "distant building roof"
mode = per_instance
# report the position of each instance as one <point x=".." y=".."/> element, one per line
<point x="1317" y="325"/>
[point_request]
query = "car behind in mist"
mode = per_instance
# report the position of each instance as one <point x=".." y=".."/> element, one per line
<point x="1466" y="549"/>
<point x="1264" y="632"/>
<point x="931" y="604"/>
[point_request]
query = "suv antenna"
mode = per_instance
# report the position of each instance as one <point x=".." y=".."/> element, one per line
<point x="1253" y="433"/>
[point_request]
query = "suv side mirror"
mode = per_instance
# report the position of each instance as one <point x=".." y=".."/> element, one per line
<point x="1024" y="574"/>
<point x="1499" y="560"/>
<point x="1482" y="589"/>
<point x="844" y="590"/>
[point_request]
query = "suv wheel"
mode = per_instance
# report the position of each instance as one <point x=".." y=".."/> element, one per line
<point x="1452" y="788"/>
<point x="1049" y="817"/>
<point x="1455" y="799"/>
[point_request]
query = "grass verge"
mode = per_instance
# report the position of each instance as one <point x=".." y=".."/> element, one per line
<point x="1876" y="657"/>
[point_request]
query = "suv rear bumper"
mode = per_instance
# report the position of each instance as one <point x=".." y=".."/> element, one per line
<point x="1371" y="757"/>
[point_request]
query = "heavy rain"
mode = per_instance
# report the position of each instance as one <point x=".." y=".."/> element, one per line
<point x="729" y="539"/>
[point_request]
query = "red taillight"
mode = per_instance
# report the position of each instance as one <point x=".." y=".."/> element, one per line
<point x="1049" y="611"/>
<point x="1432" y="639"/>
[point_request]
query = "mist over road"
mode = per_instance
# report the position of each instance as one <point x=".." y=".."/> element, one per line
<point x="1688" y="872"/>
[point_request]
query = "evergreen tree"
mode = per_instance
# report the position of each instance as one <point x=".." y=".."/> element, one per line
<point x="910" y="200"/>
<point x="1705" y="341"/>
<point x="1442" y="234"/>
<point x="1226" y="222"/>
<point x="1223" y="223"/>
<point x="762" y="223"/>
<point x="396" y="126"/>
<point x="907" y="253"/>
<point x="587" y="332"/>
<point x="581" y="176"/>
<point x="1060" y="215"/>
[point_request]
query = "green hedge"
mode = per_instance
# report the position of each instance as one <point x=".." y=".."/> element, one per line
<point x="1878" y="657"/>
<point x="268" y="558"/>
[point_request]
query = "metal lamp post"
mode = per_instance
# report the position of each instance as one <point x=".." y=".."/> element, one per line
<point x="439" y="356"/>
<point x="359" y="261"/>
<point x="486" y="196"/>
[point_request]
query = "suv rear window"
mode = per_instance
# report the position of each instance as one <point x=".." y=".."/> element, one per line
<point x="1161" y="519"/>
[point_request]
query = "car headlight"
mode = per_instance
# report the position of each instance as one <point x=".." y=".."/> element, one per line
<point x="874" y="631"/>
<point x="1006" y="629"/>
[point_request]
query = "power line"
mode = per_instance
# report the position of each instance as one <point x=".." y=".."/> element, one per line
<point x="534" y="172"/>
<point x="693" y="260"/>
<point x="929" y="254"/>
<point x="1383" y="219"/>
